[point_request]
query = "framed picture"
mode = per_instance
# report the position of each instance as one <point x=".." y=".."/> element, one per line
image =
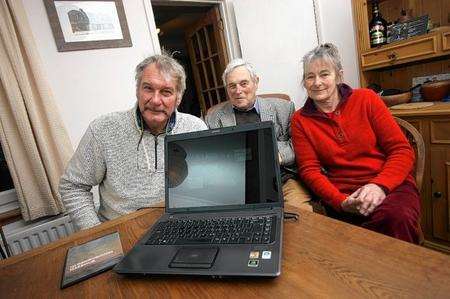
<point x="88" y="24"/>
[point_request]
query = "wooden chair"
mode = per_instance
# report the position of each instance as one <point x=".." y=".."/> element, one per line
<point x="416" y="140"/>
<point x="282" y="96"/>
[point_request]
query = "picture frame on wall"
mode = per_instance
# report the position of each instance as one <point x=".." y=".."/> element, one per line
<point x="88" y="24"/>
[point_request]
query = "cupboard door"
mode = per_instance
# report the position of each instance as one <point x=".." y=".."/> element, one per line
<point x="440" y="185"/>
<point x="440" y="177"/>
<point x="446" y="41"/>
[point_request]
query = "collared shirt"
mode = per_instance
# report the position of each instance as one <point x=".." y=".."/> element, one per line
<point x="249" y="116"/>
<point x="255" y="105"/>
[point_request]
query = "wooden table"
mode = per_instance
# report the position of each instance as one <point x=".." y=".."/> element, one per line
<point x="322" y="257"/>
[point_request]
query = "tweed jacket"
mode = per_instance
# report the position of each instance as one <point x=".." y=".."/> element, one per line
<point x="270" y="109"/>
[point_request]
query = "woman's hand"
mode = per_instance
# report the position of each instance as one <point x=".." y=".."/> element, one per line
<point x="364" y="200"/>
<point x="370" y="196"/>
<point x="351" y="205"/>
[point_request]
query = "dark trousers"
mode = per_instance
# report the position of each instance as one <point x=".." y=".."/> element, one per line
<point x="397" y="216"/>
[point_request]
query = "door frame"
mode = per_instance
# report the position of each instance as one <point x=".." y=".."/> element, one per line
<point x="226" y="11"/>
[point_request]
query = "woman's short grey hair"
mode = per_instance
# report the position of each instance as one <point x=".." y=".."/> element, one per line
<point x="168" y="66"/>
<point x="237" y="63"/>
<point x="327" y="51"/>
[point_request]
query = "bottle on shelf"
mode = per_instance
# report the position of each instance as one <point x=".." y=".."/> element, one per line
<point x="377" y="27"/>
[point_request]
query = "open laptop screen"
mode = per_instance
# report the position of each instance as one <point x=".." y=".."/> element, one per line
<point x="234" y="168"/>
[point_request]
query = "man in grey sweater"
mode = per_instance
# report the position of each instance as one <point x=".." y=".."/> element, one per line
<point x="123" y="152"/>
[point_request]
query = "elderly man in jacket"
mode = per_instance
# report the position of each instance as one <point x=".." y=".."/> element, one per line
<point x="244" y="106"/>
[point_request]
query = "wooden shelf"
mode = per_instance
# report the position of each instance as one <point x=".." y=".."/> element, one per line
<point x="418" y="48"/>
<point x="439" y="108"/>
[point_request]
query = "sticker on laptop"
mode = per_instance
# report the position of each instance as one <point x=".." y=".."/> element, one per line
<point x="266" y="255"/>
<point x="254" y="255"/>
<point x="253" y="263"/>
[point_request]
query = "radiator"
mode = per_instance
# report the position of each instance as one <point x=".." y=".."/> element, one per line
<point x="21" y="236"/>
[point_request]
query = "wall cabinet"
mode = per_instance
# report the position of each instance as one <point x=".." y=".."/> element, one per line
<point x="414" y="49"/>
<point x="434" y="125"/>
<point x="394" y="66"/>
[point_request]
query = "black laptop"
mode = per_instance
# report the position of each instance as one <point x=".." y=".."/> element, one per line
<point x="224" y="207"/>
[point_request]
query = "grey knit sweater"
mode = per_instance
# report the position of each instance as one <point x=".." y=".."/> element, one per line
<point x="129" y="177"/>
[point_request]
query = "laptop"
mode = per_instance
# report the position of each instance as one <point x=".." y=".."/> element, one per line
<point x="224" y="207"/>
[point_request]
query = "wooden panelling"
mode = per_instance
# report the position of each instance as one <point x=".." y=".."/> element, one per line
<point x="446" y="41"/>
<point x="440" y="157"/>
<point x="433" y="9"/>
<point x="447" y="172"/>
<point x="445" y="13"/>
<point x="437" y="10"/>
<point x="401" y="77"/>
<point x="361" y="24"/>
<point x="418" y="125"/>
<point x="367" y="78"/>
<point x="399" y="53"/>
<point x="440" y="131"/>
<point x="415" y="7"/>
<point x="391" y="10"/>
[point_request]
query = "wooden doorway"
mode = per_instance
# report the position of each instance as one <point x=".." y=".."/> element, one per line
<point x="207" y="51"/>
<point x="195" y="36"/>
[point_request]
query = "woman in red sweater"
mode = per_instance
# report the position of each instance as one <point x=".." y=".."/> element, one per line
<point x="351" y="152"/>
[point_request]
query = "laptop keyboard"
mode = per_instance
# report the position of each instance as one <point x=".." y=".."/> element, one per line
<point x="227" y="230"/>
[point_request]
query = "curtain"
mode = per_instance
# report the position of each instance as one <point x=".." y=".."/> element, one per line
<point x="34" y="140"/>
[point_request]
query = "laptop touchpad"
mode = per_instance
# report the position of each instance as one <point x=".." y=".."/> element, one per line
<point x="188" y="257"/>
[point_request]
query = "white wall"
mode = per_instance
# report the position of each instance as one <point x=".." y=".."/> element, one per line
<point x="336" y="26"/>
<point x="89" y="83"/>
<point x="274" y="35"/>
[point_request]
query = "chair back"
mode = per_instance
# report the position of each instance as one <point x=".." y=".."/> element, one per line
<point x="282" y="96"/>
<point x="416" y="140"/>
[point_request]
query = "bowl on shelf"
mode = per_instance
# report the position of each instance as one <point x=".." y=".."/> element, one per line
<point x="397" y="98"/>
<point x="435" y="90"/>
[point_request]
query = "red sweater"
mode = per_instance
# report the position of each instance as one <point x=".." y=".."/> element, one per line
<point x="361" y="143"/>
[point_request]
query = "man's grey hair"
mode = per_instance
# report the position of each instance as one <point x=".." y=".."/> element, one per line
<point x="237" y="63"/>
<point x="170" y="69"/>
<point x="328" y="52"/>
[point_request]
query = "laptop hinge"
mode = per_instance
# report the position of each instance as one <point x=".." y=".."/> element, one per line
<point x="222" y="211"/>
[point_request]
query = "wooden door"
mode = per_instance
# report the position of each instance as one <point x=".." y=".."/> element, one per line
<point x="208" y="54"/>
<point x="440" y="177"/>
